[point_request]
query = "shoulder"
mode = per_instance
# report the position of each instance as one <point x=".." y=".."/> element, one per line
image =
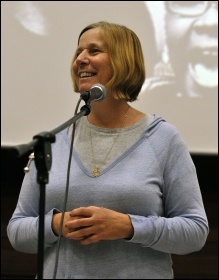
<point x="62" y="140"/>
<point x="164" y="134"/>
<point x="159" y="123"/>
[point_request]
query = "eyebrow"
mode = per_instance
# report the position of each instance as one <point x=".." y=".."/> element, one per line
<point x="91" y="45"/>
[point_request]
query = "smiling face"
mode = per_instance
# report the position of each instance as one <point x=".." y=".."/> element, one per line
<point x="197" y="36"/>
<point x="92" y="63"/>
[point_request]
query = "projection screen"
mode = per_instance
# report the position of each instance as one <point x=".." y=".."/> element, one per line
<point x="180" y="44"/>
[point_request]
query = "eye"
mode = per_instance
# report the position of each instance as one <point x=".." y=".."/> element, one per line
<point x="77" y="53"/>
<point x="94" y="51"/>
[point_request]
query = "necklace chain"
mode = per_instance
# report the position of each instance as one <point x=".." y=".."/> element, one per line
<point x="96" y="169"/>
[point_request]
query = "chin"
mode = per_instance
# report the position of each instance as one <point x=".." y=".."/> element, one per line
<point x="86" y="86"/>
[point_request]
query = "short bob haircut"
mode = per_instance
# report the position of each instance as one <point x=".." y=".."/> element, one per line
<point x="127" y="60"/>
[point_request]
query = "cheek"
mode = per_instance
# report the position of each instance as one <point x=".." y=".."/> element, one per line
<point x="109" y="73"/>
<point x="109" y="70"/>
<point x="177" y="27"/>
<point x="104" y="70"/>
<point x="74" y="68"/>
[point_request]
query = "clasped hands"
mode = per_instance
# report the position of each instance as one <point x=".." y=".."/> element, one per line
<point x="93" y="224"/>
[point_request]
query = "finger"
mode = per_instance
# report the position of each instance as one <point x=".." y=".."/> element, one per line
<point x="78" y="223"/>
<point x="90" y="239"/>
<point x="81" y="211"/>
<point x="80" y="233"/>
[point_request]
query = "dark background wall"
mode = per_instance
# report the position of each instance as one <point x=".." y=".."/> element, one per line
<point x="199" y="265"/>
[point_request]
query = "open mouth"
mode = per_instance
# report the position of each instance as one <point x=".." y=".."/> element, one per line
<point x="203" y="66"/>
<point x="86" y="75"/>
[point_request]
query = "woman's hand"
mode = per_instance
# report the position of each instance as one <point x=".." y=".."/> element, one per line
<point x="57" y="220"/>
<point x="92" y="224"/>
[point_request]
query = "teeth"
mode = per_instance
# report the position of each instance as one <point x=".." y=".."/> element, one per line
<point x="213" y="53"/>
<point x="204" y="76"/>
<point x="85" y="74"/>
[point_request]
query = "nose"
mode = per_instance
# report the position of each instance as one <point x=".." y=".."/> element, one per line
<point x="207" y="23"/>
<point x="82" y="57"/>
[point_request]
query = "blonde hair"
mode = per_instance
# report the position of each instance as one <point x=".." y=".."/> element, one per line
<point x="127" y="60"/>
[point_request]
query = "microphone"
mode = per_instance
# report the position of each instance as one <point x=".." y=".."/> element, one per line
<point x="96" y="93"/>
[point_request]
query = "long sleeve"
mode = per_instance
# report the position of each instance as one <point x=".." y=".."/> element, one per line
<point x="24" y="225"/>
<point x="184" y="227"/>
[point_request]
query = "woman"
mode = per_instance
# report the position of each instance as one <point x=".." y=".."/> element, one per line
<point x="134" y="197"/>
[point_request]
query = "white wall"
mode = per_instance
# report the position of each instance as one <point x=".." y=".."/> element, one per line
<point x="38" y="41"/>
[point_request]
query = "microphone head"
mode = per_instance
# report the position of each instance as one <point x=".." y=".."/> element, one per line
<point x="97" y="92"/>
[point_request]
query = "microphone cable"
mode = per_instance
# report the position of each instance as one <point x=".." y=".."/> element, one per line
<point x="66" y="192"/>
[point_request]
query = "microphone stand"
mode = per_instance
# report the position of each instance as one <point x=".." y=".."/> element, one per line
<point x="41" y="145"/>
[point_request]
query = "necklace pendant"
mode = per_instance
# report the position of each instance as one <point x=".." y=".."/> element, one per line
<point x="96" y="172"/>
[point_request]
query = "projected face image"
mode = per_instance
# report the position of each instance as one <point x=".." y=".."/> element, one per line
<point x="192" y="27"/>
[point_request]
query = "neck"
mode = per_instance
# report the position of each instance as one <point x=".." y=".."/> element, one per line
<point x="109" y="115"/>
